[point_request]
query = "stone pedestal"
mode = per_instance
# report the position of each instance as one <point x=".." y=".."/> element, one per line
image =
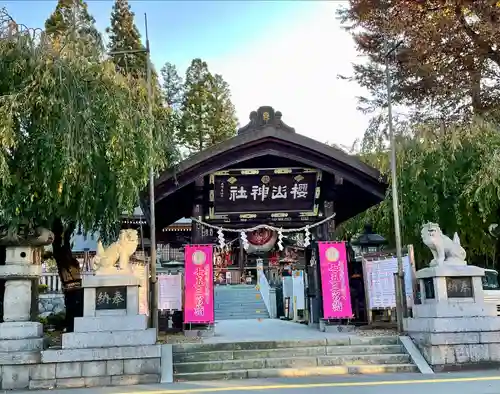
<point x="110" y="315"/>
<point x="454" y="325"/>
<point x="20" y="340"/>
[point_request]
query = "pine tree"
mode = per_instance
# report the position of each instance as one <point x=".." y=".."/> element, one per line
<point x="71" y="22"/>
<point x="208" y="115"/>
<point x="172" y="86"/>
<point x="446" y="63"/>
<point x="124" y="36"/>
<point x="194" y="123"/>
<point x="221" y="111"/>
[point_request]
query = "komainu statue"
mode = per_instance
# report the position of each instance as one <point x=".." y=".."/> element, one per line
<point x="444" y="250"/>
<point x="117" y="255"/>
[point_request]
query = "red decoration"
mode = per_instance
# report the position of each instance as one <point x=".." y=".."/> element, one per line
<point x="274" y="259"/>
<point x="260" y="237"/>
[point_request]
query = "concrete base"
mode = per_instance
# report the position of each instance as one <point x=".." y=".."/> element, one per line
<point x="90" y="283"/>
<point x="458" y="309"/>
<point x="20" y="330"/>
<point x="452" y="331"/>
<point x="453" y="324"/>
<point x="105" y="323"/>
<point x="109" y="280"/>
<point x="85" y="340"/>
<point x="446" y="270"/>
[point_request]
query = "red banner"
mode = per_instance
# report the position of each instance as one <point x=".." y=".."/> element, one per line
<point x="199" y="287"/>
<point x="334" y="280"/>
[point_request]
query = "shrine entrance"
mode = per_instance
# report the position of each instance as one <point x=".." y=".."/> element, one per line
<point x="264" y="199"/>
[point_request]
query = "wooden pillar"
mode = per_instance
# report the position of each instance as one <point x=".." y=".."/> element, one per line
<point x="325" y="232"/>
<point x="197" y="212"/>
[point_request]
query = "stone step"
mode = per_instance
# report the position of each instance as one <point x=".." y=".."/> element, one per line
<point x="105" y="323"/>
<point x="248" y="317"/>
<point x="236" y="293"/>
<point x="294" y="362"/>
<point x="239" y="305"/>
<point x="233" y="303"/>
<point x="243" y="308"/>
<point x="295" y="372"/>
<point x="85" y="340"/>
<point x="286" y="352"/>
<point x="18" y="358"/>
<point x="230" y="300"/>
<point x="235" y="287"/>
<point x="21" y="345"/>
<point x="254" y="345"/>
<point x="242" y="314"/>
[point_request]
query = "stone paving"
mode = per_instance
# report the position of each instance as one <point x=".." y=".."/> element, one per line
<point x="274" y="330"/>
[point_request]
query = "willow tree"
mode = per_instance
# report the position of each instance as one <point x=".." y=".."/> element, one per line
<point x="451" y="177"/>
<point x="75" y="137"/>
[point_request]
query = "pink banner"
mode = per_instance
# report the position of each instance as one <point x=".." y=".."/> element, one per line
<point x="334" y="280"/>
<point x="199" y="286"/>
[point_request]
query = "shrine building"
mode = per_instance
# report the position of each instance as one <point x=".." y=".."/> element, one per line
<point x="266" y="174"/>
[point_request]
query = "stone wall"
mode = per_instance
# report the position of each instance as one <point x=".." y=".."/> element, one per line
<point x="119" y="366"/>
<point x="458" y="343"/>
<point x="50" y="303"/>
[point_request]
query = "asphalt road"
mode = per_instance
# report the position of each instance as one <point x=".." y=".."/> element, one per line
<point x="456" y="383"/>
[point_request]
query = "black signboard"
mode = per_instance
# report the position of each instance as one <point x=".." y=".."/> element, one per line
<point x="276" y="194"/>
<point x="429" y="291"/>
<point x="111" y="298"/>
<point x="459" y="287"/>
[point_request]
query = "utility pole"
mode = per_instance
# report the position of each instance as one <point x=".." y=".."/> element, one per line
<point x="395" y="199"/>
<point x="153" y="283"/>
<point x="152" y="223"/>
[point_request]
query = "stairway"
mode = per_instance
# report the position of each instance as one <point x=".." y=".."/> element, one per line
<point x="334" y="356"/>
<point x="239" y="302"/>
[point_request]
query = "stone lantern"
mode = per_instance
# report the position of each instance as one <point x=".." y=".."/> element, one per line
<point x="20" y="338"/>
<point x="368" y="242"/>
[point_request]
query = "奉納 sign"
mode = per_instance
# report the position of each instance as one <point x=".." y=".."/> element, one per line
<point x="111" y="298"/>
<point x="334" y="280"/>
<point x="199" y="286"/>
<point x="264" y="193"/>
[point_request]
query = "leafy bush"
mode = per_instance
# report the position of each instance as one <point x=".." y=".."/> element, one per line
<point x="42" y="289"/>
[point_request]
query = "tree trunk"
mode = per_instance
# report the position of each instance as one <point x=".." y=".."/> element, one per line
<point x="3" y="257"/>
<point x="475" y="90"/>
<point x="69" y="272"/>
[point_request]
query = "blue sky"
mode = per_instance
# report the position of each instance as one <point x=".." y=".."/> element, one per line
<point x="286" y="54"/>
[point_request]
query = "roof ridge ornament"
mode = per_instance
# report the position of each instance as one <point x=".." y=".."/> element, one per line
<point x="265" y="116"/>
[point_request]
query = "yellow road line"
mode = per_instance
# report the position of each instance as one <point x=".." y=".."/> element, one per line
<point x="315" y="385"/>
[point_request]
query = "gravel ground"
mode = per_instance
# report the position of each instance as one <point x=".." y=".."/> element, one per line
<point x="53" y="339"/>
<point x="375" y="332"/>
<point x="177" y="338"/>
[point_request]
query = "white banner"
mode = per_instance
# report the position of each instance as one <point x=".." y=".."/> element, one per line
<point x="379" y="282"/>
<point x="298" y="289"/>
<point x="170" y="292"/>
